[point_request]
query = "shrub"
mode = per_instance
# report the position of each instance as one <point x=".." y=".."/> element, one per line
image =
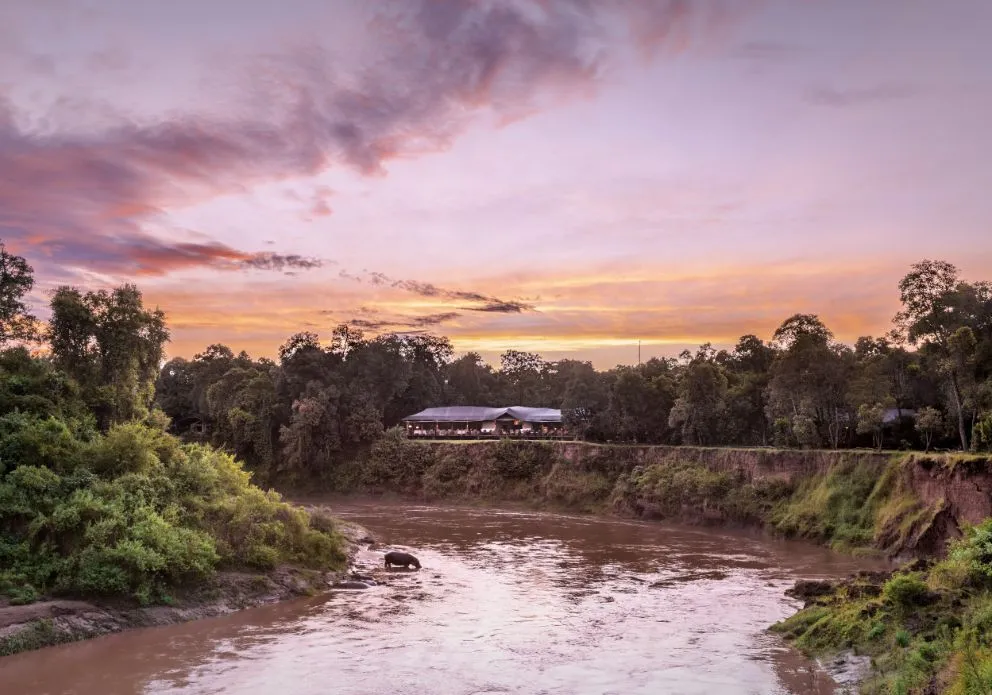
<point x="978" y="620"/>
<point x="974" y="550"/>
<point x="145" y="514"/>
<point x="905" y="591"/>
<point x="521" y="460"/>
<point x="32" y="440"/>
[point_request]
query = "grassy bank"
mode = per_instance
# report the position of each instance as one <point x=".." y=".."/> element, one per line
<point x="926" y="628"/>
<point x="854" y="501"/>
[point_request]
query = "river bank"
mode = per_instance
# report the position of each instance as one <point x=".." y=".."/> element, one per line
<point x="901" y="505"/>
<point x="58" y="621"/>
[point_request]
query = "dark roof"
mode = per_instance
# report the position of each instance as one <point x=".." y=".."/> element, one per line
<point x="893" y="414"/>
<point x="472" y="413"/>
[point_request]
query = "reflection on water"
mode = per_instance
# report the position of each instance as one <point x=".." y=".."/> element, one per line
<point x="506" y="602"/>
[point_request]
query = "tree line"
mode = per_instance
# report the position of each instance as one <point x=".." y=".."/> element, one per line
<point x="925" y="383"/>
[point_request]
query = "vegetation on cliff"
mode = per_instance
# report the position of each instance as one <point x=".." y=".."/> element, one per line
<point x="96" y="498"/>
<point x="927" y="627"/>
<point x="853" y="501"/>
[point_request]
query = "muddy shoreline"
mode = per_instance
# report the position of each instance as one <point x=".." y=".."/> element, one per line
<point x="58" y="621"/>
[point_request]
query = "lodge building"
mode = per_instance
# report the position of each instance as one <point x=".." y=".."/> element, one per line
<point x="468" y="421"/>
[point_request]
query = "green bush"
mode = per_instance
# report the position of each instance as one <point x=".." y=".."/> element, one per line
<point x="135" y="513"/>
<point x="905" y="591"/>
<point x="32" y="440"/>
<point x="974" y="550"/>
<point x="395" y="460"/>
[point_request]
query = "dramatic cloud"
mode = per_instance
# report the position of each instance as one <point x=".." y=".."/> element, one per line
<point x="143" y="255"/>
<point x="277" y="261"/>
<point x="839" y="98"/>
<point x="86" y="198"/>
<point x="496" y="306"/>
<point x="480" y="302"/>
<point x="417" y="323"/>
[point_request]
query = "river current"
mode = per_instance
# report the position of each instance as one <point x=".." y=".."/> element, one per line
<point x="506" y="602"/>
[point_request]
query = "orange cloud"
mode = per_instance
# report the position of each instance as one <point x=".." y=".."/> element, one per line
<point x="590" y="313"/>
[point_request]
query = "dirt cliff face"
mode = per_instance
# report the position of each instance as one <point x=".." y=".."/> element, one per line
<point x="899" y="504"/>
<point x="964" y="484"/>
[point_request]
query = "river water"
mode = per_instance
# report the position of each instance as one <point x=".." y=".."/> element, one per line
<point x="506" y="602"/>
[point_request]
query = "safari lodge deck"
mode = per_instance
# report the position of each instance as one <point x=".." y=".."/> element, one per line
<point x="475" y="422"/>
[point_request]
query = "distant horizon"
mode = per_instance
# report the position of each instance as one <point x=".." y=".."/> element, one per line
<point x="550" y="176"/>
<point x="649" y="348"/>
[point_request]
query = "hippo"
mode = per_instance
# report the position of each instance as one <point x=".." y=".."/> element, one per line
<point x="403" y="559"/>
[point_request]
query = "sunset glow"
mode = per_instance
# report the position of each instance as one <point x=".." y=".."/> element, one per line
<point x="560" y="176"/>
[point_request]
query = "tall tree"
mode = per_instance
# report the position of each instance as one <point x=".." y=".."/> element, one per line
<point x="522" y="372"/>
<point x="586" y="396"/>
<point x="16" y="281"/>
<point x="701" y="402"/>
<point x="747" y="374"/>
<point x="470" y="381"/>
<point x="809" y="381"/>
<point x="111" y="345"/>
<point x="936" y="306"/>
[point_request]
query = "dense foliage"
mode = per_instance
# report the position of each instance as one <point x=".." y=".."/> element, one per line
<point x="96" y="497"/>
<point x="927" y="629"/>
<point x="311" y="410"/>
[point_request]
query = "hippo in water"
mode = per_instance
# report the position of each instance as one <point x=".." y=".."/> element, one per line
<point x="395" y="557"/>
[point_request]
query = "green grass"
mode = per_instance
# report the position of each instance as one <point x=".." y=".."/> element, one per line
<point x="41" y="633"/>
<point x="926" y="631"/>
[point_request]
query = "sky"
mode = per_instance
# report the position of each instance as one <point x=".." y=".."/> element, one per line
<point x="564" y="176"/>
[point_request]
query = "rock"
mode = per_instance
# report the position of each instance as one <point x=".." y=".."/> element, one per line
<point x="352" y="584"/>
<point x="848" y="669"/>
<point x="808" y="590"/>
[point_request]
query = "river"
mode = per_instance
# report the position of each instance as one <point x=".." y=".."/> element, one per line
<point x="506" y="602"/>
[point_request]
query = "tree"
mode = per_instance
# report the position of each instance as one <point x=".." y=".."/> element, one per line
<point x="802" y="329"/>
<point x="927" y="295"/>
<point x="639" y="406"/>
<point x="522" y="372"/>
<point x="300" y="342"/>
<point x="243" y="406"/>
<point x="586" y="396"/>
<point x="469" y="381"/>
<point x="936" y="306"/>
<point x="929" y="422"/>
<point x="111" y="345"/>
<point x="344" y="339"/>
<point x="16" y="281"/>
<point x="313" y="435"/>
<point x="747" y="369"/>
<point x="173" y="393"/>
<point x="701" y="402"/>
<point x="809" y="380"/>
<point x="871" y="419"/>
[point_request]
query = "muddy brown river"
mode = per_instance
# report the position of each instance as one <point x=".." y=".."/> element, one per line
<point x="506" y="602"/>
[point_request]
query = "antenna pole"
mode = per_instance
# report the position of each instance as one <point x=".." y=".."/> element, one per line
<point x="638" y="353"/>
